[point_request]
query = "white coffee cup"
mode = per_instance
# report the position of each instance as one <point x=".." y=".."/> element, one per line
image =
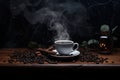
<point x="65" y="47"/>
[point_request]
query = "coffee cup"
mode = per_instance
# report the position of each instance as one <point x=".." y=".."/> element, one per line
<point x="65" y="47"/>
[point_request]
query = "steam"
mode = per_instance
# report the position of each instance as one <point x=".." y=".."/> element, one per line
<point x="57" y="15"/>
<point x="62" y="33"/>
<point x="55" y="21"/>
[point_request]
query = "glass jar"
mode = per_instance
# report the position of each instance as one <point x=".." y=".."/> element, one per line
<point x="105" y="43"/>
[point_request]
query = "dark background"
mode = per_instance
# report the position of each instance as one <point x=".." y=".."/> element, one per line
<point x="43" y="21"/>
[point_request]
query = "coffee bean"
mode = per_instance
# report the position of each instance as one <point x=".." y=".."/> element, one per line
<point x="31" y="56"/>
<point x="10" y="60"/>
<point x="90" y="57"/>
<point x="26" y="56"/>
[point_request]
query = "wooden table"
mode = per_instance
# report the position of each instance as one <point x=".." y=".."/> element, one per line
<point x="113" y="62"/>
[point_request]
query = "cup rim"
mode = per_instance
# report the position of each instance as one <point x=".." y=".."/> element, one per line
<point x="63" y="40"/>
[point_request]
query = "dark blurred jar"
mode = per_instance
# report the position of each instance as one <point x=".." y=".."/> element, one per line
<point x="105" y="43"/>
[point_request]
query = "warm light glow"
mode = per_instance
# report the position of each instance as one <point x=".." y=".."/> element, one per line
<point x="103" y="45"/>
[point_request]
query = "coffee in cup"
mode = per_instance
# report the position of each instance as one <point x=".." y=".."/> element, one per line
<point x="65" y="47"/>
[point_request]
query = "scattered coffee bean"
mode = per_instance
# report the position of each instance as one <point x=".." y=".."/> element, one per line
<point x="113" y="62"/>
<point x="11" y="61"/>
<point x="26" y="56"/>
<point x="31" y="56"/>
<point x="90" y="57"/>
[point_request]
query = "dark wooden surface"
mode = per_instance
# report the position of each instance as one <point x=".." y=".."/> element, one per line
<point x="113" y="59"/>
<point x="113" y="63"/>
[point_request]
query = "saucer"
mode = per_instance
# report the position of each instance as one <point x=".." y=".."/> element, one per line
<point x="73" y="55"/>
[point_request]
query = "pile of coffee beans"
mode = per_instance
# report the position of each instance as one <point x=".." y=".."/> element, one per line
<point x="28" y="56"/>
<point x="91" y="57"/>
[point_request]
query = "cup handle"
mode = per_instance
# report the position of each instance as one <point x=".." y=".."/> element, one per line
<point x="77" y="46"/>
